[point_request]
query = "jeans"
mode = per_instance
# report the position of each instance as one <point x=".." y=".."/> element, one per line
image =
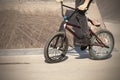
<point x="83" y="23"/>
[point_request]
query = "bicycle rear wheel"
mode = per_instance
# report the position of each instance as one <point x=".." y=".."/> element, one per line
<point x="56" y="48"/>
<point x="100" y="52"/>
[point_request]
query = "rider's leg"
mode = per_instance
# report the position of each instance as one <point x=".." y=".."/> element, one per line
<point x="84" y="31"/>
<point x="83" y="22"/>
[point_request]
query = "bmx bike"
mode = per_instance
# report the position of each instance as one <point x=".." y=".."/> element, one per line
<point x="100" y="47"/>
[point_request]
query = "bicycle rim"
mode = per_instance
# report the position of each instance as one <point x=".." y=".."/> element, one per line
<point x="56" y="48"/>
<point x="99" y="52"/>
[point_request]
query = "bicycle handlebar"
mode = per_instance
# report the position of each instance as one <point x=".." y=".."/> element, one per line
<point x="62" y="10"/>
<point x="75" y="10"/>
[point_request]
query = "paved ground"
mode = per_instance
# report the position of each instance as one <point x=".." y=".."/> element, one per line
<point x="76" y="66"/>
<point x="73" y="68"/>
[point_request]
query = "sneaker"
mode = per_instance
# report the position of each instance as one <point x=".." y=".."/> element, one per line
<point x="83" y="47"/>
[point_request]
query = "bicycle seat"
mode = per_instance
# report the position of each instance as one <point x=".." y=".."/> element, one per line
<point x="94" y="22"/>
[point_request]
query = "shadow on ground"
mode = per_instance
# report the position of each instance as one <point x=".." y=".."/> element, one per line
<point x="82" y="54"/>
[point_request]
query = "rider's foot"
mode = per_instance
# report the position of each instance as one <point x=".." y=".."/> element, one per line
<point x="83" y="47"/>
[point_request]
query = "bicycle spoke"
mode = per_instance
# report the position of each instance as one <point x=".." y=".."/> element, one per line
<point x="56" y="48"/>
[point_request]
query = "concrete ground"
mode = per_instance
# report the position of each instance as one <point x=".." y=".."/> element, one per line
<point x="76" y="66"/>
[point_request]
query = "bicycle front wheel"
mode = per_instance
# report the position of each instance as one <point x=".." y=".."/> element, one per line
<point x="56" y="48"/>
<point x="101" y="52"/>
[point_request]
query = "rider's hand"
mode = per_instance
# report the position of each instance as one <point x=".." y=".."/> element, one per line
<point x="59" y="0"/>
<point x="82" y="7"/>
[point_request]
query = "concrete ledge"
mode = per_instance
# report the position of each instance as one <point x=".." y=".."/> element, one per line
<point x="36" y="51"/>
<point x="29" y="51"/>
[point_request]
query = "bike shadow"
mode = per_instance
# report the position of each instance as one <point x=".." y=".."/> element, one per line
<point x="76" y="51"/>
<point x="64" y="59"/>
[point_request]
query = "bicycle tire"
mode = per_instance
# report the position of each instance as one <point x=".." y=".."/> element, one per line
<point x="108" y="52"/>
<point x="51" y="59"/>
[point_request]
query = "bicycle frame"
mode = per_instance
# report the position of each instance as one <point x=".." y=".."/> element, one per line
<point x="71" y="31"/>
<point x="91" y="32"/>
<point x="76" y="26"/>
